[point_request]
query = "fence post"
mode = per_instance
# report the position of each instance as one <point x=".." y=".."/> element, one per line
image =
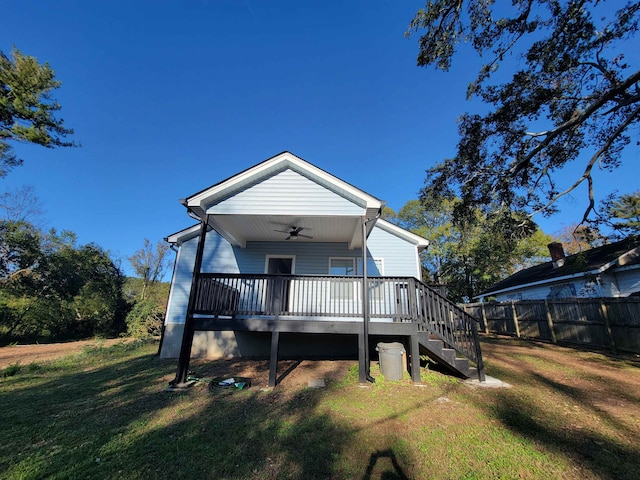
<point x="550" y="322"/>
<point x="605" y="317"/>
<point x="515" y="318"/>
<point x="484" y="318"/>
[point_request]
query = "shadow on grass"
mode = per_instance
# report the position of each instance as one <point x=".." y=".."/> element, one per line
<point x="534" y="410"/>
<point x="605" y="458"/>
<point x="113" y="420"/>
<point x="393" y="473"/>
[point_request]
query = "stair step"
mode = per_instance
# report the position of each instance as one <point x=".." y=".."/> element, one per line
<point x="446" y="356"/>
<point x="449" y="355"/>
<point x="461" y="364"/>
<point x="435" y="346"/>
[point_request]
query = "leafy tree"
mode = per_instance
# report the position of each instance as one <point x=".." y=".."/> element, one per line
<point x="572" y="95"/>
<point x="146" y="316"/>
<point x="63" y="289"/>
<point x="27" y="107"/>
<point x="20" y="249"/>
<point x="20" y="205"/>
<point x="150" y="263"/>
<point x="624" y="213"/>
<point x="149" y="294"/>
<point x="388" y="213"/>
<point x="578" y="238"/>
<point x="436" y="226"/>
<point x="470" y="254"/>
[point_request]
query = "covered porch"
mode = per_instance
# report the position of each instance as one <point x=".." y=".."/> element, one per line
<point x="243" y="279"/>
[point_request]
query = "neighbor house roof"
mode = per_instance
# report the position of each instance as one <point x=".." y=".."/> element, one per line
<point x="589" y="262"/>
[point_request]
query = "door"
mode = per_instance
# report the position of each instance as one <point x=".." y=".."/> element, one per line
<point x="277" y="288"/>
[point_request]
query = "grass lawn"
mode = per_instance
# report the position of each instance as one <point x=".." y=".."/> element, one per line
<point x="104" y="414"/>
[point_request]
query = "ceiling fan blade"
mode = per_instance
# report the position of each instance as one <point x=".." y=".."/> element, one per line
<point x="304" y="236"/>
<point x="282" y="231"/>
<point x="288" y="238"/>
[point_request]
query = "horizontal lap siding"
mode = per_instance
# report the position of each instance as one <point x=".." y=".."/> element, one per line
<point x="287" y="193"/>
<point x="628" y="282"/>
<point x="218" y="257"/>
<point x="311" y="258"/>
<point x="400" y="259"/>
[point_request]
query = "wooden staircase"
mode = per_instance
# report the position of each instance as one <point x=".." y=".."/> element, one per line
<point x="447" y="334"/>
<point x="447" y="357"/>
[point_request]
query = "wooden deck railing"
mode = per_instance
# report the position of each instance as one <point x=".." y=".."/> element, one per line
<point x="392" y="299"/>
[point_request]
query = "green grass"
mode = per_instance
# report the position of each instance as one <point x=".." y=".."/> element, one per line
<point x="104" y="414"/>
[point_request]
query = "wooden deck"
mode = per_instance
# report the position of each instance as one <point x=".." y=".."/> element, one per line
<point x="391" y="306"/>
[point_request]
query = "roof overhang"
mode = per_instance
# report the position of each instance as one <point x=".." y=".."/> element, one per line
<point x="417" y="240"/>
<point x="257" y="223"/>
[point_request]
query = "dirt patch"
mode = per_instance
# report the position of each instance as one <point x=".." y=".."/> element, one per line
<point x="26" y="354"/>
<point x="291" y="375"/>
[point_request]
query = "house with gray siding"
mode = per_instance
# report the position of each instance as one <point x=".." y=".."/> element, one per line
<point x="287" y="260"/>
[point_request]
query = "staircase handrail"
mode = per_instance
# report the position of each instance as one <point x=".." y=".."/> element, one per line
<point x="451" y="324"/>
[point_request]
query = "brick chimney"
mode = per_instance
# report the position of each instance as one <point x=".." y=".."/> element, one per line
<point x="557" y="254"/>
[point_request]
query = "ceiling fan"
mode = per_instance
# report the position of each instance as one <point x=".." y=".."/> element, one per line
<point x="294" y="233"/>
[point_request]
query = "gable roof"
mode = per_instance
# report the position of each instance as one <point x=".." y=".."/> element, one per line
<point x="590" y="262"/>
<point x="199" y="202"/>
<point x="284" y="193"/>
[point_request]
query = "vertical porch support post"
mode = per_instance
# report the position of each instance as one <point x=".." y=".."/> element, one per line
<point x="363" y="340"/>
<point x="187" y="335"/>
<point x="273" y="359"/>
<point x="415" y="357"/>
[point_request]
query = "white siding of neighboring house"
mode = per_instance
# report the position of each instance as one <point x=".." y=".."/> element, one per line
<point x="578" y="288"/>
<point x="287" y="193"/>
<point x="627" y="280"/>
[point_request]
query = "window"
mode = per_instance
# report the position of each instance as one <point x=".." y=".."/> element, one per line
<point x="375" y="267"/>
<point x="342" y="289"/>
<point x="342" y="266"/>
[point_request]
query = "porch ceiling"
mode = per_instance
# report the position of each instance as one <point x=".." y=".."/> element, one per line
<point x="240" y="229"/>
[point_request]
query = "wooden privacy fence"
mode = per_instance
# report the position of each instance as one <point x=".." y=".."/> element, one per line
<point x="612" y="323"/>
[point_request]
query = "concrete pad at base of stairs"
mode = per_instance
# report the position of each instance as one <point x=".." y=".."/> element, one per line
<point x="489" y="382"/>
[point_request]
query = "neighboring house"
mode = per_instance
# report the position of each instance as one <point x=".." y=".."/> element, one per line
<point x="278" y="261"/>
<point x="612" y="270"/>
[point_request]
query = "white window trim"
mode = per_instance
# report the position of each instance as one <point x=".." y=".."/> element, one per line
<point x="374" y="260"/>
<point x="351" y="259"/>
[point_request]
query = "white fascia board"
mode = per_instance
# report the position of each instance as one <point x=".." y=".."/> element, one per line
<point x="285" y="159"/>
<point x="420" y="242"/>
<point x="355" y="237"/>
<point x="183" y="235"/>
<point x="626" y="268"/>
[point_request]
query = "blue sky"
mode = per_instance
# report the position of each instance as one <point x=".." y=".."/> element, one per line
<point x="169" y="97"/>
